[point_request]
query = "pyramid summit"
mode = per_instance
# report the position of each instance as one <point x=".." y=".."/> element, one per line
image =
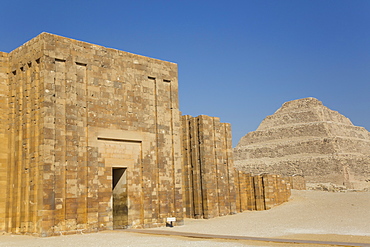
<point x="301" y="111"/>
<point x="305" y="137"/>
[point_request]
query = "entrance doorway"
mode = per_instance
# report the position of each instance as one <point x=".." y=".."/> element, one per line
<point x="120" y="202"/>
<point x="123" y="159"/>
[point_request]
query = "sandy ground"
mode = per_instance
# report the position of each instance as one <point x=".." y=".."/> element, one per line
<point x="309" y="215"/>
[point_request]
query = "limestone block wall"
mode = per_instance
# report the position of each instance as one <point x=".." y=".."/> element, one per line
<point x="3" y="136"/>
<point x="212" y="187"/>
<point x="91" y="140"/>
<point x="298" y="182"/>
<point x="243" y="188"/>
<point x="260" y="192"/>
<point x="78" y="113"/>
<point x="208" y="173"/>
<point x="28" y="185"/>
<point x="246" y="193"/>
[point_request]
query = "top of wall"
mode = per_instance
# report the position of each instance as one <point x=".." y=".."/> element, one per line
<point x="48" y="37"/>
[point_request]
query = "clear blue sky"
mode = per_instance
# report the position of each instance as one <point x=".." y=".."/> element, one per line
<point x="238" y="60"/>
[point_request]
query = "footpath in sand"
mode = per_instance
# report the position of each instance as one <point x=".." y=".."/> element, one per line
<point x="309" y="215"/>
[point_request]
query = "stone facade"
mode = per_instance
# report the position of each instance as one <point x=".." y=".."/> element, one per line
<point x="4" y="137"/>
<point x="80" y="123"/>
<point x="260" y="192"/>
<point x="212" y="186"/>
<point x="297" y="182"/>
<point x="306" y="138"/>
<point x="208" y="171"/>
<point x="91" y="138"/>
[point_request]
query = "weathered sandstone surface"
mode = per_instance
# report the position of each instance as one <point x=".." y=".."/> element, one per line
<point x="307" y="138"/>
<point x="91" y="139"/>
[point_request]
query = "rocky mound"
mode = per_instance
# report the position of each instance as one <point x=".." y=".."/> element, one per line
<point x="307" y="138"/>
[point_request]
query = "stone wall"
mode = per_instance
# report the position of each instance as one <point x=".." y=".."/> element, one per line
<point x="297" y="182"/>
<point x="91" y="140"/>
<point x="79" y="112"/>
<point x="208" y="172"/>
<point x="29" y="188"/>
<point x="212" y="186"/>
<point x="260" y="192"/>
<point x="3" y="136"/>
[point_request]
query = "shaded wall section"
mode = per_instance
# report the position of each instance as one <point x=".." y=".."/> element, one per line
<point x="3" y="135"/>
<point x="30" y="184"/>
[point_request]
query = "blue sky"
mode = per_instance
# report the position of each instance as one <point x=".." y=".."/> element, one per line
<point x="238" y="60"/>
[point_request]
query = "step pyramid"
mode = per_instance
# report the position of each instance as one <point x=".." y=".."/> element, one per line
<point x="305" y="137"/>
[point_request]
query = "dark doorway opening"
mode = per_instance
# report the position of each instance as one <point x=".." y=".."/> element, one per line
<point x="120" y="202"/>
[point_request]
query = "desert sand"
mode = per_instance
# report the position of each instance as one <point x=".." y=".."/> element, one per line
<point x="309" y="215"/>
